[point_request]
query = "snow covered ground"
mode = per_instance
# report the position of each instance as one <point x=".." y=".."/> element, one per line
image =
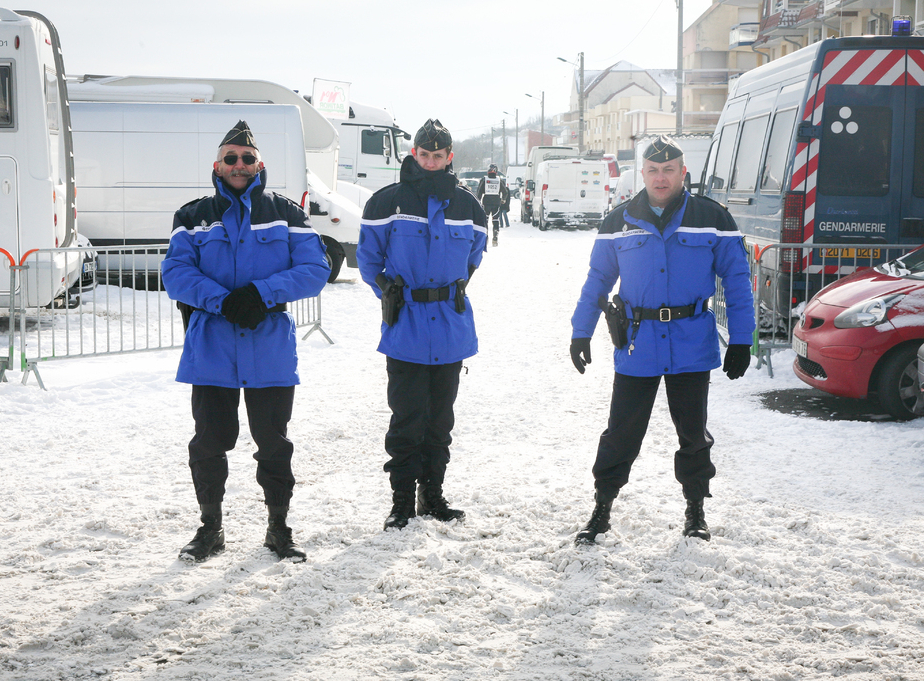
<point x="815" y="571"/>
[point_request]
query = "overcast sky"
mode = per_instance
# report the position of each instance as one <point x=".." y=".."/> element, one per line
<point x="464" y="62"/>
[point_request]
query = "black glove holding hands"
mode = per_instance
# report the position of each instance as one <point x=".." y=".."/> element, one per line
<point x="737" y="360"/>
<point x="580" y="353"/>
<point x="244" y="306"/>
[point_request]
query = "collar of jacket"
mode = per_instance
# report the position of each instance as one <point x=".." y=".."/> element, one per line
<point x="441" y="183"/>
<point x="254" y="190"/>
<point x="640" y="209"/>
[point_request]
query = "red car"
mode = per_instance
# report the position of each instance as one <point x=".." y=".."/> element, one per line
<point x="859" y="337"/>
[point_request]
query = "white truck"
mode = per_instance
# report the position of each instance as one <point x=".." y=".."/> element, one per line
<point x="37" y="194"/>
<point x="536" y="156"/>
<point x="571" y="193"/>
<point x="127" y="201"/>
<point x="370" y="147"/>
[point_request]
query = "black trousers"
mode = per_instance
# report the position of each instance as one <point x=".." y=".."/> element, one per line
<point x="630" y="412"/>
<point x="268" y="412"/>
<point x="421" y="397"/>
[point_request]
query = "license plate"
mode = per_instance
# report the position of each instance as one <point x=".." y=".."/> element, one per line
<point x="852" y="253"/>
<point x="89" y="267"/>
<point x="800" y="346"/>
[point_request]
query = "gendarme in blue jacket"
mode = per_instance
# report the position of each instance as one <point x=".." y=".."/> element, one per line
<point x="222" y="242"/>
<point x="675" y="268"/>
<point x="431" y="243"/>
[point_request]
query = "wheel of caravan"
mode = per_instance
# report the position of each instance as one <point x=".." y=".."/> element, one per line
<point x="335" y="256"/>
<point x="897" y="383"/>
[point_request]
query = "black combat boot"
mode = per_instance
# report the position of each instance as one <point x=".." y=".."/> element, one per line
<point x="209" y="539"/>
<point x="599" y="520"/>
<point x="430" y="502"/>
<point x="279" y="535"/>
<point x="695" y="525"/>
<point x="402" y="509"/>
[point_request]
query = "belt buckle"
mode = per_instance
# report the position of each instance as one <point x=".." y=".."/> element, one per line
<point x="433" y="295"/>
<point x="664" y="314"/>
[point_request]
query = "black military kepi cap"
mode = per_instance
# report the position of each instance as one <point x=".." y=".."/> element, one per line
<point x="662" y="150"/>
<point x="432" y="136"/>
<point x="240" y="135"/>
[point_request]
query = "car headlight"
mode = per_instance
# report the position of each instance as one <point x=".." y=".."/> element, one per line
<point x="868" y="313"/>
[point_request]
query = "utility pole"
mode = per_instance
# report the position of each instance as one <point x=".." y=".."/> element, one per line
<point x="492" y="144"/>
<point x="516" y="135"/>
<point x="581" y="109"/>
<point x="542" y="116"/>
<point x="679" y="107"/>
<point x="504" y="145"/>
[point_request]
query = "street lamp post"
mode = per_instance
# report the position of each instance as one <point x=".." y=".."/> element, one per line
<point x="516" y="135"/>
<point x="580" y="100"/>
<point x="542" y="116"/>
<point x="679" y="121"/>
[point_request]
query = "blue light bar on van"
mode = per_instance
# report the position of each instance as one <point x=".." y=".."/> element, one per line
<point x="901" y="25"/>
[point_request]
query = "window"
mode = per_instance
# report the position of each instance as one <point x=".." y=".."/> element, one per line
<point x="919" y="153"/>
<point x="771" y="176"/>
<point x="6" y="96"/>
<point x="51" y="99"/>
<point x="719" y="177"/>
<point x="856" y="155"/>
<point x="373" y="142"/>
<point x="748" y="159"/>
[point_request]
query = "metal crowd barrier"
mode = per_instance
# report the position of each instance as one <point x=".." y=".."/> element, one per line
<point x="117" y="306"/>
<point x="785" y="278"/>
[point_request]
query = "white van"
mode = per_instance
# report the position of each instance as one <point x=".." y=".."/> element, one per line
<point x="537" y="155"/>
<point x="126" y="200"/>
<point x="37" y="198"/>
<point x="370" y="152"/>
<point x="571" y="193"/>
<point x="825" y="146"/>
<point x="335" y="216"/>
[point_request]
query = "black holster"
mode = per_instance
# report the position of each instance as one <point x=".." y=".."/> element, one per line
<point x="392" y="297"/>
<point x="460" y="295"/>
<point x="616" y="320"/>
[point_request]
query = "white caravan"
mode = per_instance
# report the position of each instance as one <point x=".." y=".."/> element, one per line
<point x="571" y="193"/>
<point x="307" y="150"/>
<point x="127" y="200"/>
<point x="37" y="208"/>
<point x="370" y="150"/>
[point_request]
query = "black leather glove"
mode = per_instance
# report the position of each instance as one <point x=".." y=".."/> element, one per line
<point x="580" y="353"/>
<point x="244" y="306"/>
<point x="737" y="360"/>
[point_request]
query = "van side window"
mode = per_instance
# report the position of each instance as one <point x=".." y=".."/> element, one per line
<point x="6" y="96"/>
<point x="856" y="145"/>
<point x="373" y="142"/>
<point x="51" y="99"/>
<point x="919" y="153"/>
<point x="748" y="159"/>
<point x="771" y="175"/>
<point x="719" y="177"/>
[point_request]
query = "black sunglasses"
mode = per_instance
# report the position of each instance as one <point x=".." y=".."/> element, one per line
<point x="231" y="159"/>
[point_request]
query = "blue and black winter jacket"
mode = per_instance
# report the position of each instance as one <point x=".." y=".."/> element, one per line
<point x="431" y="242"/>
<point x="222" y="242"/>
<point x="670" y="268"/>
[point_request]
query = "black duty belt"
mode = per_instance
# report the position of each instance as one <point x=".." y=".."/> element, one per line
<point x="430" y="295"/>
<point x="667" y="314"/>
<point x="275" y="308"/>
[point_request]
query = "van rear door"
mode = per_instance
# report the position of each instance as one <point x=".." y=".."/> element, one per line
<point x="912" y="205"/>
<point x="863" y="142"/>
